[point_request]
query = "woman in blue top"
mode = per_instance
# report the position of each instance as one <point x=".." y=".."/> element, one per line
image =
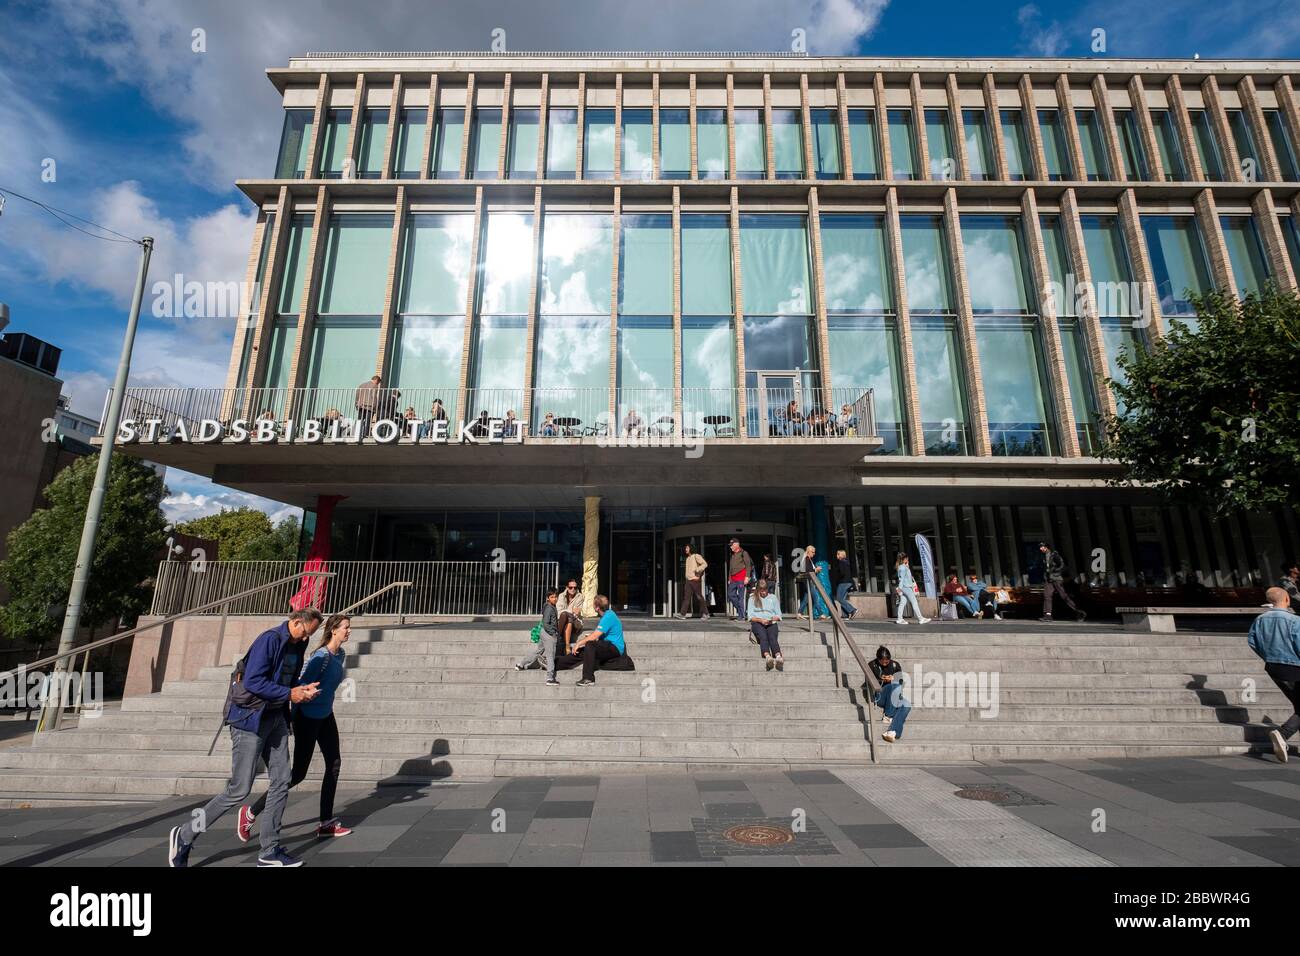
<point x="906" y="590"/>
<point x="823" y="571"/>
<point x="314" y="725"/>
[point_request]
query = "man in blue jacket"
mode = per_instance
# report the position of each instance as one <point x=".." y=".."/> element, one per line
<point x="259" y="731"/>
<point x="1275" y="637"/>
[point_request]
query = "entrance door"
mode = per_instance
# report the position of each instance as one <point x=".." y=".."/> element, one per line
<point x="776" y="390"/>
<point x="710" y="540"/>
<point x="632" y="564"/>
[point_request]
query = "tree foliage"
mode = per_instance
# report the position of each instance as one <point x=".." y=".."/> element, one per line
<point x="1213" y="416"/>
<point x="246" y="534"/>
<point x="43" y="550"/>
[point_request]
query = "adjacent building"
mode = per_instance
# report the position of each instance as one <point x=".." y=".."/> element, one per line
<point x="786" y="298"/>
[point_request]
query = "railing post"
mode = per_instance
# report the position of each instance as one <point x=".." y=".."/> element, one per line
<point x="401" y="603"/>
<point x="221" y="635"/>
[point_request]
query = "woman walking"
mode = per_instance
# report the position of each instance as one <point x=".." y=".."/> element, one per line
<point x="314" y="725"/>
<point x="906" y="589"/>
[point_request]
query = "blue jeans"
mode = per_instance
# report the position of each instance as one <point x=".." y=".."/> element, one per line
<point x="842" y="597"/>
<point x="736" y="595"/>
<point x="895" y="705"/>
<point x="905" y="597"/>
<point x="968" y="602"/>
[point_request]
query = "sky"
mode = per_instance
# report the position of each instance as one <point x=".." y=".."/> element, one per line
<point x="119" y="112"/>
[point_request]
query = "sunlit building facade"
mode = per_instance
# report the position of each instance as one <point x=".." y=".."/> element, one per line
<point x="790" y="298"/>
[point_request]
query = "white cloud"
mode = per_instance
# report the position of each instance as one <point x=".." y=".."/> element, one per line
<point x="1037" y="37"/>
<point x="198" y="497"/>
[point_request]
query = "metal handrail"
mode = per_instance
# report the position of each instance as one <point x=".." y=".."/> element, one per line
<point x="401" y="617"/>
<point x="122" y="635"/>
<point x="841" y="630"/>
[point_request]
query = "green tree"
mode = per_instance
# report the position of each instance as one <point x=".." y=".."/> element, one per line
<point x="43" y="550"/>
<point x="1213" y="416"/>
<point x="280" y="544"/>
<point x="234" y="529"/>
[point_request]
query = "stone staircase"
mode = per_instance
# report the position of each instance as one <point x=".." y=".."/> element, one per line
<point x="445" y="703"/>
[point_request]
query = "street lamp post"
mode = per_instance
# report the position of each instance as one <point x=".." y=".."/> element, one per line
<point x="86" y="551"/>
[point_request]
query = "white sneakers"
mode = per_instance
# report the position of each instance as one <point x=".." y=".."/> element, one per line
<point x="924" y="620"/>
<point x="1279" y="745"/>
<point x="889" y="736"/>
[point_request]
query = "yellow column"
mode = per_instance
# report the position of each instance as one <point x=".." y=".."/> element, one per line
<point x="591" y="554"/>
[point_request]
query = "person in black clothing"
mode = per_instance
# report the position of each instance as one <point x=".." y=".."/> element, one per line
<point x="890" y="699"/>
<point x="843" y="583"/>
<point x="1054" y="583"/>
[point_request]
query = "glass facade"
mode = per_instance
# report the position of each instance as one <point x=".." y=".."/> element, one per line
<point x="1207" y="145"/>
<point x="638" y="144"/>
<point x="938" y="143"/>
<point x="979" y="151"/>
<point x="826" y="144"/>
<point x="1252" y="169"/>
<point x="521" y="153"/>
<point x="450" y="135"/>
<point x="374" y="139"/>
<point x="499" y="346"/>
<point x="1246" y="253"/>
<point x="408" y="152"/>
<point x="1283" y="148"/>
<point x="1130" y="146"/>
<point x="1020" y="163"/>
<point x="1178" y="264"/>
<point x="295" y="141"/>
<point x="787" y="144"/>
<point x="675" y="144"/>
<point x="751" y="147"/>
<point x="863" y="144"/>
<point x="334" y="143"/>
<point x="710" y="143"/>
<point x="485" y="144"/>
<point x="1095" y="166"/>
<point x="1171" y="151"/>
<point x="598" y="144"/>
<point x="645" y="323"/>
<point x="561" y="143"/>
<point x="902" y="144"/>
<point x="1056" y="151"/>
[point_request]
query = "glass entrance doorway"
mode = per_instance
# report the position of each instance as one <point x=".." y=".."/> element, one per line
<point x="632" y="571"/>
<point x="710" y="540"/>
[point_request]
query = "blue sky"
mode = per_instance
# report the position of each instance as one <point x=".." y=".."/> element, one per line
<point x="147" y="135"/>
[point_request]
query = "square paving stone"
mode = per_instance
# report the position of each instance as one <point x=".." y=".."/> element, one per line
<point x="431" y="844"/>
<point x="677" y="846"/>
<point x="367" y="839"/>
<point x="729" y="811"/>
<point x="554" y="831"/>
<point x="531" y="855"/>
<point x="812" y="776"/>
<point x="615" y="858"/>
<point x="734" y="785"/>
<point x="574" y="809"/>
<point x="491" y="848"/>
<point x="458" y="820"/>
<point x="121" y="848"/>
<point x="908" y="856"/>
<point x="868" y="836"/>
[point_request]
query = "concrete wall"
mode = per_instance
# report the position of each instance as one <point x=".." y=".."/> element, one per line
<point x="180" y="650"/>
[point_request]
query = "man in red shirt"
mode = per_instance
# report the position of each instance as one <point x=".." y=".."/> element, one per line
<point x="740" y="571"/>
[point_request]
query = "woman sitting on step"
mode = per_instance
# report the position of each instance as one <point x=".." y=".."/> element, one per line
<point x="890" y="699"/>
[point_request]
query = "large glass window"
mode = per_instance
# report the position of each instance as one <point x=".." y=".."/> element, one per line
<point x="447" y="146"/>
<point x="902" y="144"/>
<point x="295" y="140"/>
<point x="1178" y="263"/>
<point x="279" y="362"/>
<point x="787" y="144"/>
<point x="374" y="137"/>
<point x="1292" y="238"/>
<point x="1020" y="164"/>
<point x="751" y="149"/>
<point x="708" y="335"/>
<point x="979" y="151"/>
<point x="710" y="143"/>
<point x="1171" y="151"/>
<point x="295" y="266"/>
<point x="598" y="144"/>
<point x="485" y="146"/>
<point x="334" y="145"/>
<point x="1094" y="147"/>
<point x="941" y="386"/>
<point x="408" y="153"/>
<point x="645" y="324"/>
<point x="249" y="309"/>
<point x="1007" y="333"/>
<point x="938" y="143"/>
<point x="1282" y="145"/>
<point x="1130" y="146"/>
<point x="826" y="143"/>
<point x="1115" y="293"/>
<point x="1056" y="151"/>
<point x="521" y="153"/>
<point x="706" y="265"/>
<point x="1207" y="145"/>
<point x="1074" y="349"/>
<point x="561" y="143"/>
<point x="675" y="144"/>
<point x="638" y="144"/>
<point x="571" y="367"/>
<point x="1252" y="169"/>
<point x="863" y="332"/>
<point x="429" y="336"/>
<point x="1245" y="252"/>
<point x="863" y="148"/>
<point x="497" y="353"/>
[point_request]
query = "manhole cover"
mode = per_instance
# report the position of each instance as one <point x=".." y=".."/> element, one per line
<point x="758" y="834"/>
<point x="983" y="793"/>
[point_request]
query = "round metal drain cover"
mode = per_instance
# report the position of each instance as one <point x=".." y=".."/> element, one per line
<point x="758" y="834"/>
<point x="983" y="793"/>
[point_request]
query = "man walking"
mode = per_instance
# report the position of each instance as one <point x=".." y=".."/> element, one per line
<point x="257" y="710"/>
<point x="1275" y="637"/>
<point x="1054" y="583"/>
<point x="367" y="400"/>
<point x="693" y="591"/>
<point x="740" y="571"/>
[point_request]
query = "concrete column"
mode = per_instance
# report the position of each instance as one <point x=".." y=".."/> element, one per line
<point x="846" y="147"/>
<point x="504" y="142"/>
<point x="1270" y="234"/>
<point x="769" y="149"/>
<point x="907" y="356"/>
<point x="1138" y="97"/>
<point x="805" y="118"/>
<point x="430" y="125"/>
<point x="1130" y="222"/>
<point x="1259" y="130"/>
<point x="977" y="412"/>
<point x="471" y="297"/>
<point x="882" y="127"/>
<point x="1058" y="383"/>
<point x="388" y="317"/>
<point x="618" y="126"/>
<point x="995" y="128"/>
<point x="394" y="117"/>
<point x="262" y="313"/>
<point x="468" y="129"/>
<point x="957" y="124"/>
<point x="695" y="145"/>
<point x="922" y="139"/>
<point x="1029" y="115"/>
<point x="312" y="166"/>
<point x="581" y="160"/>
<point x="739" y="315"/>
<point x="310" y="286"/>
<point x="817" y="524"/>
<point x="1183" y="122"/>
<point x="542" y="121"/>
<point x="1106" y="115"/>
<point x="1087" y="307"/>
<point x="1069" y="127"/>
<point x="731" y="126"/>
<point x="819" y="297"/>
<point x="1207" y="217"/>
<point x="1222" y="132"/>
<point x="654" y="124"/>
<point x="354" y="128"/>
<point x="590" y="553"/>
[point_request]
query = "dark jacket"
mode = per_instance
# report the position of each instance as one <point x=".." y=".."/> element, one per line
<point x="1054" y="567"/>
<point x="893" y="668"/>
<point x="550" y="620"/>
<point x="265" y="677"/>
<point x="842" y="571"/>
<point x="737" y="560"/>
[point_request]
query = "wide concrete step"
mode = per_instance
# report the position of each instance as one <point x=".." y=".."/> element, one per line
<point x="908" y="751"/>
<point x="751" y="672"/>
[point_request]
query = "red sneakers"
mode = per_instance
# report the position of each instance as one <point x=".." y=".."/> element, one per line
<point x="332" y="829"/>
<point x="245" y="826"/>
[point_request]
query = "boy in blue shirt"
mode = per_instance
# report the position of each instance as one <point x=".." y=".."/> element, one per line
<point x="603" y="644"/>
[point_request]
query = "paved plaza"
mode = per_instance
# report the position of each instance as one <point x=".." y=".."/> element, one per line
<point x="1231" y="811"/>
